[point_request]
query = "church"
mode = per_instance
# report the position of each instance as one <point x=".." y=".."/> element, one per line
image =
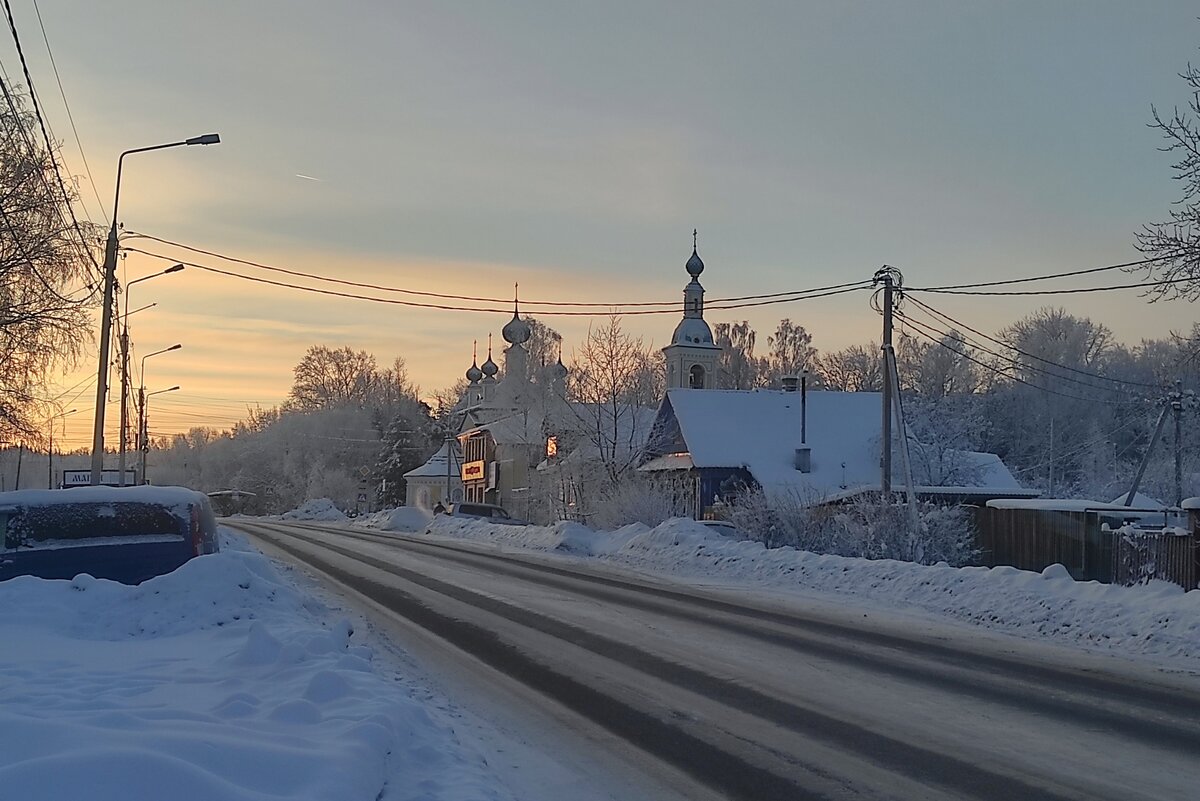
<point x="523" y="444"/>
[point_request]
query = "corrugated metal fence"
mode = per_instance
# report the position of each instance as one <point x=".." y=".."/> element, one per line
<point x="1033" y="539"/>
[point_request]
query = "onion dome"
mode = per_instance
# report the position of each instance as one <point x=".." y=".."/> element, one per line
<point x="516" y="331"/>
<point x="558" y="369"/>
<point x="473" y="372"/>
<point x="692" y="331"/>
<point x="489" y="368"/>
<point x="694" y="265"/>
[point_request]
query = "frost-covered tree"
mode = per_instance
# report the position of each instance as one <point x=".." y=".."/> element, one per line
<point x="44" y="256"/>
<point x="1175" y="242"/>
<point x="328" y="377"/>
<point x="790" y="351"/>
<point x="738" y="367"/>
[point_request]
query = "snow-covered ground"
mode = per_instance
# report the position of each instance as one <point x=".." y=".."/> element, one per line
<point x="1158" y="620"/>
<point x="218" y="682"/>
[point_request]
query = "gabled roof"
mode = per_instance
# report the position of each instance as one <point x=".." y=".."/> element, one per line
<point x="760" y="430"/>
<point x="437" y="466"/>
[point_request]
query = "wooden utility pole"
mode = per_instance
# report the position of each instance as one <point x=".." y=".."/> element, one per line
<point x="1177" y="409"/>
<point x="887" y="276"/>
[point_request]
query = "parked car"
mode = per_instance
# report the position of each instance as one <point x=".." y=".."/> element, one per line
<point x="127" y="534"/>
<point x="484" y="511"/>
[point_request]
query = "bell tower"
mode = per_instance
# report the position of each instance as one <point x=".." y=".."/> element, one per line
<point x="692" y="355"/>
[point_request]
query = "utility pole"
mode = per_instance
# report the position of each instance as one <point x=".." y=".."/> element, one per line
<point x="110" y="276"/>
<point x="1177" y="409"/>
<point x="888" y="277"/>
<point x="1050" y="491"/>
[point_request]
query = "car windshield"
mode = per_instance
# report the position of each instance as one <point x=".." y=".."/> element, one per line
<point x="34" y="526"/>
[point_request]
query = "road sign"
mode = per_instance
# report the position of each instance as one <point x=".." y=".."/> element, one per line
<point x="364" y="471"/>
<point x="362" y="497"/>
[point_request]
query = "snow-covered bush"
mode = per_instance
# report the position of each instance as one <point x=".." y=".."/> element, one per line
<point x="863" y="527"/>
<point x="637" y="498"/>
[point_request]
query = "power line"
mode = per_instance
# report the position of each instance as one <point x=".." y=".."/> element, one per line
<point x="796" y="296"/>
<point x="951" y="321"/>
<point x="45" y="135"/>
<point x="922" y="329"/>
<point x="1075" y="291"/>
<point x="1048" y="277"/>
<point x="87" y="168"/>
<point x="674" y="304"/>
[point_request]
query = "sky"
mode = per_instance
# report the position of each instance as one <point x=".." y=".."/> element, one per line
<point x="573" y="148"/>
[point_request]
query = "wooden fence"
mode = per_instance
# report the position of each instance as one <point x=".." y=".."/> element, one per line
<point x="1080" y="540"/>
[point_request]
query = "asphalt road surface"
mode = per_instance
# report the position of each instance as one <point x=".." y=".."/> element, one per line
<point x="751" y="699"/>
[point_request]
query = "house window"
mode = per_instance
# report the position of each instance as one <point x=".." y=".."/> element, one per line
<point x="696" y="377"/>
<point x="551" y="447"/>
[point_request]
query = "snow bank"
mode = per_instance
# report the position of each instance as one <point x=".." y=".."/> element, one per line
<point x="1157" y="620"/>
<point x="320" y="509"/>
<point x="218" y="682"/>
<point x="404" y="518"/>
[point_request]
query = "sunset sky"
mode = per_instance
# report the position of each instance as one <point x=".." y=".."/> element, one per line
<point x="464" y="147"/>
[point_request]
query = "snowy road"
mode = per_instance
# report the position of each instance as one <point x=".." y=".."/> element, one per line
<point x="773" y="701"/>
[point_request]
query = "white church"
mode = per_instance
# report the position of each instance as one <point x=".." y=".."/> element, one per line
<point x="523" y="445"/>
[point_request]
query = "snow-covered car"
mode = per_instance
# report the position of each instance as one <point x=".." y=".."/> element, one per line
<point x="484" y="511"/>
<point x="126" y="534"/>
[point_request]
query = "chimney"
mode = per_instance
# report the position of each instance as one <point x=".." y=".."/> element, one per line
<point x="804" y="459"/>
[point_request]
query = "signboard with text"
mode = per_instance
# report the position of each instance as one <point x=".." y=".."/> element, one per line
<point x="473" y="471"/>
<point x="108" y="478"/>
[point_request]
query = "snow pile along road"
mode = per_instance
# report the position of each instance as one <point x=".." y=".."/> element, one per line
<point x="218" y="682"/>
<point x="404" y="518"/>
<point x="321" y="509"/>
<point x="1158" y="619"/>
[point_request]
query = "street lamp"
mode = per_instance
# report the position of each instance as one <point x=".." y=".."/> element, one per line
<point x="110" y="274"/>
<point x="142" y="440"/>
<point x="50" y="449"/>
<point x="125" y="368"/>
<point x="146" y="425"/>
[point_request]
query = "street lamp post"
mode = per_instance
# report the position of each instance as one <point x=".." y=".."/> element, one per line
<point x="125" y="368"/>
<point x="110" y="274"/>
<point x="50" y="449"/>
<point x="146" y="426"/>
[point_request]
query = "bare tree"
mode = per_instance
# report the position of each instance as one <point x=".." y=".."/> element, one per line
<point x="857" y="368"/>
<point x="608" y="380"/>
<point x="328" y="377"/>
<point x="43" y="254"/>
<point x="791" y="350"/>
<point x="1175" y="242"/>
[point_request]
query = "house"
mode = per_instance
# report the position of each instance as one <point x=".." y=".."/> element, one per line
<point x="820" y="446"/>
<point x="436" y="481"/>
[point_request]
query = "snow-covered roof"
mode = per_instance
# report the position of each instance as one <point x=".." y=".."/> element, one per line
<point x="759" y="431"/>
<point x="1064" y="505"/>
<point x="437" y="465"/>
<point x="1140" y="501"/>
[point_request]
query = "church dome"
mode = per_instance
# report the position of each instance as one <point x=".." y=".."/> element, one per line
<point x="695" y="265"/>
<point x="516" y="331"/>
<point x="692" y="331"/>
<point x="558" y="369"/>
<point x="473" y="372"/>
<point x="489" y="368"/>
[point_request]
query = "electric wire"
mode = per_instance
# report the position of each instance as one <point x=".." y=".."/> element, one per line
<point x="951" y="321"/>
<point x="46" y="135"/>
<point x="674" y="304"/>
<point x="1048" y="277"/>
<point x="87" y="168"/>
<point x="797" y="296"/>
<point x="936" y="340"/>
<point x="1031" y="292"/>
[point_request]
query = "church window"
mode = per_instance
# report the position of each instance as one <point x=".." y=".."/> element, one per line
<point x="696" y="377"/>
